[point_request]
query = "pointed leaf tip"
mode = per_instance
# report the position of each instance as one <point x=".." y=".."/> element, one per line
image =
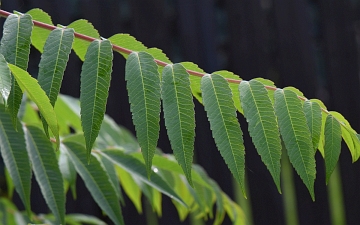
<point x="221" y="112"/>
<point x="259" y="113"/>
<point x="332" y="144"/>
<point x="296" y="136"/>
<point x="179" y="115"/>
<point x="94" y="89"/>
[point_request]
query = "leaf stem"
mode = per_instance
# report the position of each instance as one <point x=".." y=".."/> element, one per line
<point x="117" y="48"/>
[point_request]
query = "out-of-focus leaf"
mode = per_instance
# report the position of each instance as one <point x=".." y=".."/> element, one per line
<point x="96" y="181"/>
<point x="130" y="187"/>
<point x="13" y="152"/>
<point x="46" y="170"/>
<point x="136" y="168"/>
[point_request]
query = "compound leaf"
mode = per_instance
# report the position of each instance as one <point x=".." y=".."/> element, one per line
<point x="179" y="115"/>
<point x="94" y="89"/>
<point x="263" y="129"/>
<point x="296" y="135"/>
<point x="221" y="112"/>
<point x="143" y="85"/>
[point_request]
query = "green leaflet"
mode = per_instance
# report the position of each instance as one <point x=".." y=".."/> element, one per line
<point x="194" y="80"/>
<point x="37" y="95"/>
<point x="296" y="136"/>
<point x="39" y="35"/>
<point x="143" y="85"/>
<point x="221" y="112"/>
<point x="46" y="170"/>
<point x="53" y="61"/>
<point x="349" y="135"/>
<point x="313" y="117"/>
<point x="15" y="47"/>
<point x="67" y="109"/>
<point x="83" y="27"/>
<point x="96" y="181"/>
<point x="263" y="129"/>
<point x="136" y="168"/>
<point x="94" y="90"/>
<point x="332" y="144"/>
<point x="127" y="41"/>
<point x="13" y="152"/>
<point x="179" y="115"/>
<point x="5" y="79"/>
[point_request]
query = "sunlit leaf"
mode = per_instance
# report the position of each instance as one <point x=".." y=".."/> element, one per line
<point x="296" y="136"/>
<point x="5" y="79"/>
<point x="136" y="168"/>
<point x="128" y="42"/>
<point x="37" y="95"/>
<point x="39" y="34"/>
<point x="263" y="129"/>
<point x="95" y="83"/>
<point x="221" y="112"/>
<point x="143" y="85"/>
<point x="349" y="135"/>
<point x="46" y="170"/>
<point x="179" y="115"/>
<point x="83" y="27"/>
<point x="130" y="187"/>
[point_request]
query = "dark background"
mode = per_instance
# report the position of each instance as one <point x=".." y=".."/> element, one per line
<point x="312" y="45"/>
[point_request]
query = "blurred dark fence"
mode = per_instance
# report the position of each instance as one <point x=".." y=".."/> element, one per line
<point x="312" y="45"/>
